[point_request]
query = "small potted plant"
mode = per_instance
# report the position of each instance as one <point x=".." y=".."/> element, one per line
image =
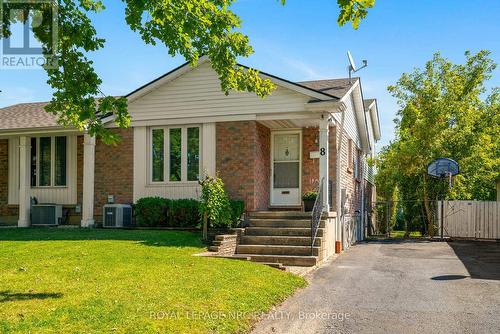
<point x="309" y="198"/>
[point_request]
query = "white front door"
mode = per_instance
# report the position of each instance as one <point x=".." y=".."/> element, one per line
<point x="285" y="164"/>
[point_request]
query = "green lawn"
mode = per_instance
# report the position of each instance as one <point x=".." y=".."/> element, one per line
<point x="111" y="281"/>
<point x="401" y="234"/>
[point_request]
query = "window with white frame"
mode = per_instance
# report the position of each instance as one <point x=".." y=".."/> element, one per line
<point x="48" y="162"/>
<point x="175" y="154"/>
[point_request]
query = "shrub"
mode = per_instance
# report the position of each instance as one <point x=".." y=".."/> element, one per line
<point x="150" y="211"/>
<point x="183" y="213"/>
<point x="215" y="202"/>
<point x="309" y="196"/>
<point x="237" y="209"/>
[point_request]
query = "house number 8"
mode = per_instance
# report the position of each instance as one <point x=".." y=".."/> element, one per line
<point x="322" y="151"/>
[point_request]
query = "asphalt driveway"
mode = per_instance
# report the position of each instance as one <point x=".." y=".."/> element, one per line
<point x="398" y="287"/>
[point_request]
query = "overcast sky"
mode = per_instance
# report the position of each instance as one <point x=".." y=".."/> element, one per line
<point x="301" y="41"/>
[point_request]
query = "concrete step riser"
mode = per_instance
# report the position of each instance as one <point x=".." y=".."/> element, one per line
<point x="277" y="250"/>
<point x="277" y="240"/>
<point x="282" y="223"/>
<point x="299" y="232"/>
<point x="281" y="215"/>
<point x="287" y="261"/>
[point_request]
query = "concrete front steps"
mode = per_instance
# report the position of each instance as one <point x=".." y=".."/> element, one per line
<point x="280" y="237"/>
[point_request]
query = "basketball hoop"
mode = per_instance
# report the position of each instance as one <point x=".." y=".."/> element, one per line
<point x="443" y="168"/>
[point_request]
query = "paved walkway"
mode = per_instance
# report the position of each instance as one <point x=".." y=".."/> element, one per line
<point x="398" y="287"/>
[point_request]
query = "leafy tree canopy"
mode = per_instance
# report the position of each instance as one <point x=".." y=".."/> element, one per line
<point x="190" y="28"/>
<point x="444" y="112"/>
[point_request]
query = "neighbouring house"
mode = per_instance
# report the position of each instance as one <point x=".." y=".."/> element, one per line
<point x="267" y="151"/>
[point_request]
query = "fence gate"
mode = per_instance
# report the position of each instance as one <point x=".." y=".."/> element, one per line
<point x="470" y="219"/>
<point x="352" y="229"/>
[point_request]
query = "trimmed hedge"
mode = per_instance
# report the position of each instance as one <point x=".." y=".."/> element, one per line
<point x="161" y="212"/>
<point x="183" y="213"/>
<point x="151" y="212"/>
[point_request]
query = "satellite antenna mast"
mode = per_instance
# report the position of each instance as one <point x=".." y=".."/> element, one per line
<point x="352" y="65"/>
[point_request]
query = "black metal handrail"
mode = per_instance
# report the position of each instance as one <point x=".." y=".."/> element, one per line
<point x="316" y="215"/>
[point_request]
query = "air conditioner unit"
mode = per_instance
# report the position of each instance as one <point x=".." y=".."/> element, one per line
<point x="46" y="214"/>
<point x="117" y="215"/>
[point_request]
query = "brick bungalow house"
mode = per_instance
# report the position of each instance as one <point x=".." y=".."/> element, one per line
<point x="267" y="151"/>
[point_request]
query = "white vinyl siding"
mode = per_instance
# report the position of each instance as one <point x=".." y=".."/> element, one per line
<point x="198" y="94"/>
<point x="65" y="195"/>
<point x="350" y="122"/>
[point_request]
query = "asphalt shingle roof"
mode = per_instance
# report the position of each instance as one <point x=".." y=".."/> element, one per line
<point x="26" y="116"/>
<point x="335" y="87"/>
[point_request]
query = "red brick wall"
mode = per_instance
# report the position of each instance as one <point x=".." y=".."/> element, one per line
<point x="5" y="210"/>
<point x="235" y="159"/>
<point x="114" y="171"/>
<point x="243" y="161"/>
<point x="262" y="167"/>
<point x="4" y="175"/>
<point x="310" y="167"/>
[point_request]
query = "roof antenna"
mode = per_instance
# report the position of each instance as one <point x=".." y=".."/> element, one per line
<point x="352" y="65"/>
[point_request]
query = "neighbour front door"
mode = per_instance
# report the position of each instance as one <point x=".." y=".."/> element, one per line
<point x="285" y="182"/>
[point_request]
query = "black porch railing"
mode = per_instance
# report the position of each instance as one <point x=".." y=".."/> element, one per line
<point x="316" y="215"/>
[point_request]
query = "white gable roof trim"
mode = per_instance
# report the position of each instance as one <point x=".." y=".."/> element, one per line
<point x="373" y="109"/>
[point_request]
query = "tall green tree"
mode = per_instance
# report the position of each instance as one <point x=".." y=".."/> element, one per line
<point x="443" y="113"/>
<point x="190" y="28"/>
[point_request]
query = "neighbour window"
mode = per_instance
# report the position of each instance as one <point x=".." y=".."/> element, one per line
<point x="48" y="162"/>
<point x="181" y="146"/>
<point x="44" y="164"/>
<point x="60" y="162"/>
<point x="33" y="162"/>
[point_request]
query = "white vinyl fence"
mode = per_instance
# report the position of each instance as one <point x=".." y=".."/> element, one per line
<point x="470" y="219"/>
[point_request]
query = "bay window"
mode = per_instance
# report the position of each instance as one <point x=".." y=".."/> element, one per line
<point x="48" y="161"/>
<point x="175" y="154"/>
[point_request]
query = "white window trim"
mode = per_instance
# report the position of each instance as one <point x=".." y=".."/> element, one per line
<point x="166" y="155"/>
<point x="52" y="162"/>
